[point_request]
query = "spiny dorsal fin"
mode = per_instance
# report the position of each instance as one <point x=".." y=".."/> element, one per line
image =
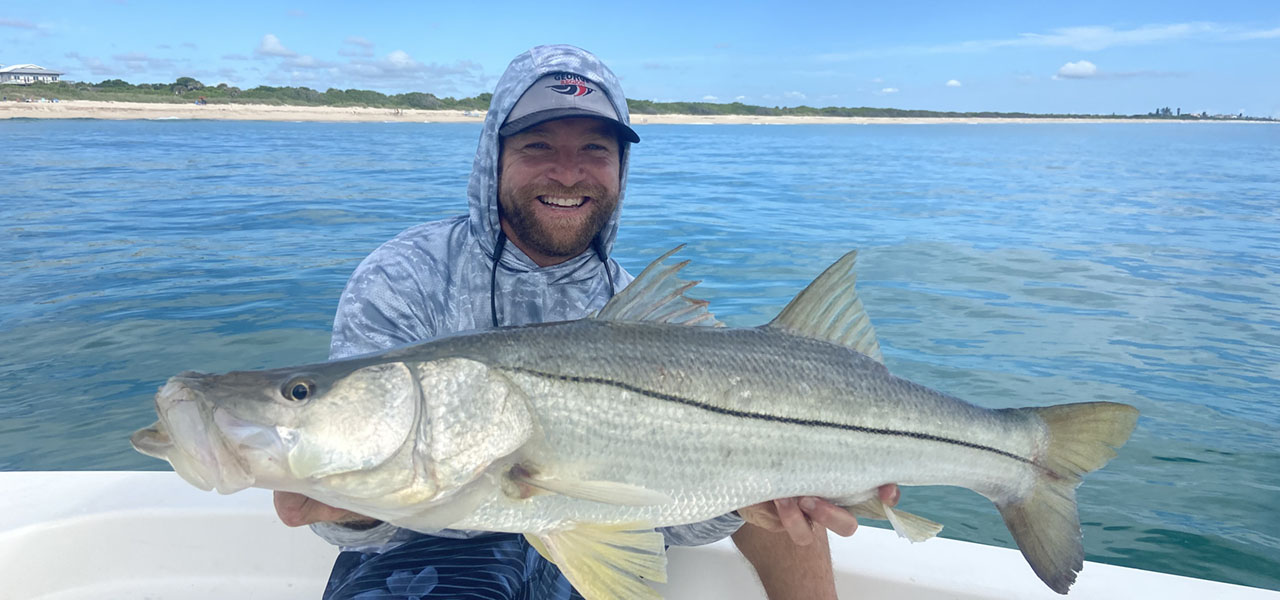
<point x="657" y="296"/>
<point x="607" y="561"/>
<point x="829" y="310"/>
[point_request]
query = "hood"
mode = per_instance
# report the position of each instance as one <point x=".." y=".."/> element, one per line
<point x="482" y="191"/>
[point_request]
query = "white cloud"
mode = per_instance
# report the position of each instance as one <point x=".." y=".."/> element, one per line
<point x="1077" y="70"/>
<point x="356" y="46"/>
<point x="889" y="90"/>
<point x="739" y="98"/>
<point x="709" y="98"/>
<point x="1260" y="35"/>
<point x="94" y="65"/>
<point x="1086" y="38"/>
<point x="17" y="24"/>
<point x="307" y="62"/>
<point x="794" y="95"/>
<point x="271" y="46"/>
<point x="400" y="70"/>
<point x="140" y="62"/>
<point x="953" y="83"/>
<point x="1099" y="38"/>
<point x="399" y="60"/>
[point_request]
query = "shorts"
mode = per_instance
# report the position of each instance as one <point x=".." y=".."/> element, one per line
<point x="500" y="566"/>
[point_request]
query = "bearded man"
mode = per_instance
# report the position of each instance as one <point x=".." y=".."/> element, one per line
<point x="544" y="195"/>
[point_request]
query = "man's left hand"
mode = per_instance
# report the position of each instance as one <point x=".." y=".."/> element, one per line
<point x="797" y="516"/>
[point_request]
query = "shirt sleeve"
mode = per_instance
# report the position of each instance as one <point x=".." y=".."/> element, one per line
<point x="386" y="303"/>
<point x="704" y="532"/>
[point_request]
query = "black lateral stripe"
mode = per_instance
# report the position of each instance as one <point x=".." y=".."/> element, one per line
<point x="765" y="417"/>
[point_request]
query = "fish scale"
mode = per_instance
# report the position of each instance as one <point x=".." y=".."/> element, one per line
<point x="584" y="421"/>
<point x="586" y="435"/>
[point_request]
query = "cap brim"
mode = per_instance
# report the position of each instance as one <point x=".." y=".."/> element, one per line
<point x="516" y="126"/>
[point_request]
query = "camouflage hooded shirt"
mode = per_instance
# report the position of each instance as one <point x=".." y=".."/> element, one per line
<point x="438" y="278"/>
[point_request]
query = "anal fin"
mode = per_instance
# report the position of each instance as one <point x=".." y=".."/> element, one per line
<point x="607" y="561"/>
<point x="907" y="525"/>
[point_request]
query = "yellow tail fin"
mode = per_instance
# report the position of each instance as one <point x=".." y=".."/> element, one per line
<point x="1046" y="524"/>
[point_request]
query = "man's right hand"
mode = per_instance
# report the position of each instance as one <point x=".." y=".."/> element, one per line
<point x="296" y="510"/>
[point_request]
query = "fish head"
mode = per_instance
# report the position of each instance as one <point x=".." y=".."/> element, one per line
<point x="282" y="428"/>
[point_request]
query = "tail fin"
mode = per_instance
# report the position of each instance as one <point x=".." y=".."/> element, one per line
<point x="1045" y="524"/>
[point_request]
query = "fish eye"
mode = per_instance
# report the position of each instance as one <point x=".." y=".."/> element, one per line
<point x="298" y="389"/>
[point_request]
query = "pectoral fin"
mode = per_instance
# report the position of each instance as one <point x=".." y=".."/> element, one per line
<point x="607" y="561"/>
<point x="912" y="527"/>
<point x="608" y="492"/>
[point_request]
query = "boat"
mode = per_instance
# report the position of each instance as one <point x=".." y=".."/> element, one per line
<point x="76" y="535"/>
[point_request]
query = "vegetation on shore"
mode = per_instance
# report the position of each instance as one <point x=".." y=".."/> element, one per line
<point x="190" y="90"/>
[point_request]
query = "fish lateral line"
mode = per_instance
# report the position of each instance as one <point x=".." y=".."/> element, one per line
<point x="731" y="412"/>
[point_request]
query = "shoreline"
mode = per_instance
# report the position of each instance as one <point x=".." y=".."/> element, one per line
<point x="96" y="109"/>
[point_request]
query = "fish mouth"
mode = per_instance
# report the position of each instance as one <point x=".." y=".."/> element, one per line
<point x="190" y="436"/>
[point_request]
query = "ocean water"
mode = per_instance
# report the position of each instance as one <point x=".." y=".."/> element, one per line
<point x="1006" y="264"/>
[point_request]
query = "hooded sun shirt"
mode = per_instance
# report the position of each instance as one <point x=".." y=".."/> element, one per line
<point x="439" y="278"/>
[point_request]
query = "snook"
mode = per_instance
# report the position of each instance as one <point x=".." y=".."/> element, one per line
<point x="585" y="435"/>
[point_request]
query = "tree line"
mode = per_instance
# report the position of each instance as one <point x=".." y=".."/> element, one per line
<point x="188" y="89"/>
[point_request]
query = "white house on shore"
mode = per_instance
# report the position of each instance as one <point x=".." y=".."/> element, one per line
<point x="27" y="74"/>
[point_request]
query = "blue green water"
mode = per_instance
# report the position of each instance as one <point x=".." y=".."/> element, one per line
<point x="1006" y="264"/>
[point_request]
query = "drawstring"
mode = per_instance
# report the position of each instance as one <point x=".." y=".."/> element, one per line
<point x="597" y="244"/>
<point x="493" y="276"/>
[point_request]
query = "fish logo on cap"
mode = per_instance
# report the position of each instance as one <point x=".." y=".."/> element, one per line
<point x="570" y="85"/>
<point x="570" y="90"/>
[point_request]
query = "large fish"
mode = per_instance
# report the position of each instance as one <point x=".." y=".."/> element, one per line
<point x="585" y="435"/>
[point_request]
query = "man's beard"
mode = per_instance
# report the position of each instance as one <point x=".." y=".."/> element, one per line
<point x="565" y="238"/>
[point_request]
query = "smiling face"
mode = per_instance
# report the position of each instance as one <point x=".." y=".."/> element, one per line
<point x="558" y="186"/>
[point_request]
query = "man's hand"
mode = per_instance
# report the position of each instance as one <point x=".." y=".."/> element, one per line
<point x="797" y="516"/>
<point x="296" y="510"/>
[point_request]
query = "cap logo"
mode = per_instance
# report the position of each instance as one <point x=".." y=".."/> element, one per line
<point x="570" y="85"/>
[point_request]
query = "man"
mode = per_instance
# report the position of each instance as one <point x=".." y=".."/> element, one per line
<point x="544" y="194"/>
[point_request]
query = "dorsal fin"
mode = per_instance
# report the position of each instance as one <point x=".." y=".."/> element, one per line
<point x="657" y="296"/>
<point x="829" y="310"/>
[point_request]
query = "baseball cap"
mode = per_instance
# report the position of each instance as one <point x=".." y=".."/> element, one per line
<point x="562" y="95"/>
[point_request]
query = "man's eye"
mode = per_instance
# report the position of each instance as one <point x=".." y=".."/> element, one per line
<point x="537" y="146"/>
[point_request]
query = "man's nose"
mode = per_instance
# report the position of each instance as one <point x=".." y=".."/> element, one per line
<point x="567" y="170"/>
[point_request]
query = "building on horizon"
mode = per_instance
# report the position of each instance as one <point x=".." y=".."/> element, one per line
<point x="27" y="74"/>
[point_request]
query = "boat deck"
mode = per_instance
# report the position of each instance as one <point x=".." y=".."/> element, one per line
<point x="105" y="535"/>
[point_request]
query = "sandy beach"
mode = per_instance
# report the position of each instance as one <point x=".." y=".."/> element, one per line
<point x="92" y="109"/>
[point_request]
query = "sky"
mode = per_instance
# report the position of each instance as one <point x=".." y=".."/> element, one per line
<point x="1085" y="56"/>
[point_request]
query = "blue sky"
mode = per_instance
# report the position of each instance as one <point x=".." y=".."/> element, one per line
<point x="1078" y="57"/>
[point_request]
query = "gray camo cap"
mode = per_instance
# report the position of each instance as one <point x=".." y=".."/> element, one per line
<point x="559" y="96"/>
